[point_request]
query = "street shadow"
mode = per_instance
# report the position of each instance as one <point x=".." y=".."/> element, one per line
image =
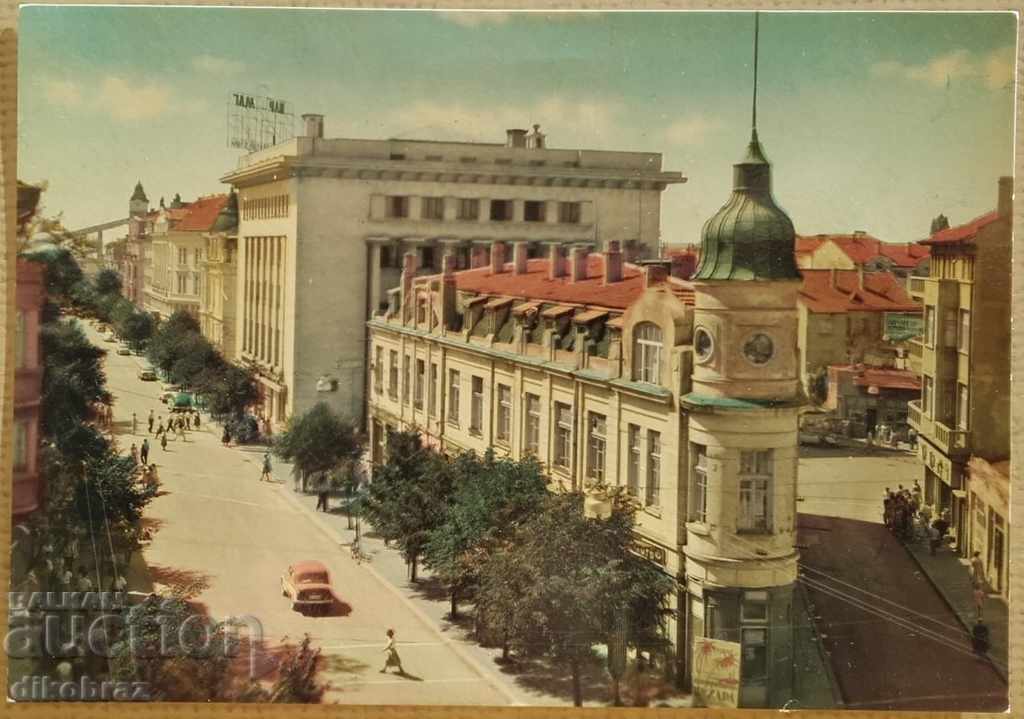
<point x="184" y="583"/>
<point x="544" y="676"/>
<point x="429" y="588"/>
<point x="407" y="675"/>
<point x="342" y="664"/>
<point x="338" y="608"/>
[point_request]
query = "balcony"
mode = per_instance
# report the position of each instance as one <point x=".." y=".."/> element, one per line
<point x="916" y="287"/>
<point x="952" y="441"/>
<point x="914" y="415"/>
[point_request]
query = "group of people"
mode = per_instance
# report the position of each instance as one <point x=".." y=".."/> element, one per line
<point x="906" y="515"/>
<point x="104" y="414"/>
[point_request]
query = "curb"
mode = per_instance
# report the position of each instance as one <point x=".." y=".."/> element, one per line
<point x="471" y="662"/>
<point x="949" y="603"/>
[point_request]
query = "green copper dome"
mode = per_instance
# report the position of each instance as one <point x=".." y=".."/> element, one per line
<point x="750" y="238"/>
<point x="227" y="218"/>
<point x="139" y="193"/>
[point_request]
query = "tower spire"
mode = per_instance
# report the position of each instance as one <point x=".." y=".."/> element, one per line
<point x="753" y="123"/>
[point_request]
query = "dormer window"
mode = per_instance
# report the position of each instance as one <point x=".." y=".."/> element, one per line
<point x="647" y="353"/>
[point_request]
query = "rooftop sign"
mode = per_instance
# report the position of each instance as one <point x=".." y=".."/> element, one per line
<point x="256" y="122"/>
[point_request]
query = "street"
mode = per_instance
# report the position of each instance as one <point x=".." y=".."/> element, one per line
<point x="232" y="536"/>
<point x="849" y="483"/>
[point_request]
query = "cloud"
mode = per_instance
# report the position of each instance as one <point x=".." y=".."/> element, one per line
<point x="128" y="101"/>
<point x="568" y="122"/>
<point x="477" y="18"/>
<point x="217" y="65"/>
<point x="995" y="70"/>
<point x="691" y="129"/>
<point x="63" y="92"/>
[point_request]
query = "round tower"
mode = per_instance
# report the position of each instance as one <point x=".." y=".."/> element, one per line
<point x="139" y="203"/>
<point x="743" y="412"/>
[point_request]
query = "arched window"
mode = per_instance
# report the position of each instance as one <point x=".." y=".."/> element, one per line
<point x="647" y="353"/>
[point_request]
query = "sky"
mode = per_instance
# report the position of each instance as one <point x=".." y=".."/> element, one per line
<point x="873" y="121"/>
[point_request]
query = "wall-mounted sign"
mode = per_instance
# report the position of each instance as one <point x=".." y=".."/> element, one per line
<point x="255" y="122"/>
<point x="650" y="552"/>
<point x="716" y="673"/>
<point x="902" y="326"/>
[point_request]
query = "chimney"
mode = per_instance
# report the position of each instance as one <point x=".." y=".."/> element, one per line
<point x="515" y="138"/>
<point x="408" y="272"/>
<point x="556" y="261"/>
<point x="448" y="264"/>
<point x="612" y="263"/>
<point x="520" y="252"/>
<point x="1005" y="206"/>
<point x="536" y="139"/>
<point x="860" y="276"/>
<point x="579" y="263"/>
<point x="314" y="126"/>
<point x="655" y="273"/>
<point x="497" y="258"/>
<point x="832" y="277"/>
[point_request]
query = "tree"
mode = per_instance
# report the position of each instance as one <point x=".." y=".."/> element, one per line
<point x="194" y="354"/>
<point x="137" y="328"/>
<point x="575" y="578"/>
<point x="318" y="441"/>
<point x="491" y="498"/>
<point x="108" y="282"/>
<point x="409" y="496"/>
<point x="62" y="272"/>
<point x="296" y="681"/>
<point x="939" y="223"/>
<point x="165" y="347"/>
<point x="73" y="378"/>
<point x="229" y="389"/>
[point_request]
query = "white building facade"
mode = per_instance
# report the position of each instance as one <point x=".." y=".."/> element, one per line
<point x="324" y="224"/>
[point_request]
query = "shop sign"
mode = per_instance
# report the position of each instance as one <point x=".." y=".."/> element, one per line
<point x="716" y="673"/>
<point x="901" y="326"/>
<point x="650" y="552"/>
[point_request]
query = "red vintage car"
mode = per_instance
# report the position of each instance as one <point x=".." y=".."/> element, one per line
<point x="308" y="586"/>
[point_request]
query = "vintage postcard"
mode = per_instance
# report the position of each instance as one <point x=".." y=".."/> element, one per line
<point x="511" y="358"/>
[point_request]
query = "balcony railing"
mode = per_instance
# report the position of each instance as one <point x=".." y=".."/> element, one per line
<point x="954" y="441"/>
<point x="914" y="414"/>
<point x="916" y="286"/>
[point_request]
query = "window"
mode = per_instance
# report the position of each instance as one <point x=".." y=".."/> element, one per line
<point x="417" y="393"/>
<point x="21" y="341"/>
<point x="929" y="326"/>
<point x="563" y="435"/>
<point x="699" y="494"/>
<point x="653" y="468"/>
<point x="393" y="374"/>
<point x="949" y="402"/>
<point x="182" y="256"/>
<point x="504" y="429"/>
<point x="963" y="338"/>
<point x="182" y="282"/>
<point x="962" y="406"/>
<point x="378" y="371"/>
<point x="432" y="392"/>
<point x="432" y="208"/>
<point x="531" y="430"/>
<point x="927" y="395"/>
<point x="476" y="406"/>
<point x="534" y="211"/>
<point x="405" y="378"/>
<point x="398" y="206"/>
<point x="453" y="396"/>
<point x="754" y="609"/>
<point x="20" y="445"/>
<point x="633" y="461"/>
<point x="754" y="665"/>
<point x="949" y="328"/>
<point x="647" y="353"/>
<point x="596" y="427"/>
<point x="469" y="209"/>
<point x="569" y="212"/>
<point x="427" y="257"/>
<point x="501" y="210"/>
<point x="755" y="490"/>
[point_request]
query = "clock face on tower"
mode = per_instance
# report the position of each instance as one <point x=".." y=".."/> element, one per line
<point x="703" y="345"/>
<point x="758" y="348"/>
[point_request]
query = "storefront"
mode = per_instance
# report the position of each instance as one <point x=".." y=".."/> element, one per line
<point x="988" y="489"/>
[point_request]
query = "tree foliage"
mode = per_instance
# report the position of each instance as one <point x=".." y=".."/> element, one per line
<point x="939" y="223"/>
<point x="410" y="495"/>
<point x="318" y="441"/>
<point x="108" y="282"/>
<point x="564" y="579"/>
<point x="62" y="272"/>
<point x="73" y="379"/>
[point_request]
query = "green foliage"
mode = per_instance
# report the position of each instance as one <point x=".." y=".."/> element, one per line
<point x="296" y="681"/>
<point x="62" y="272"/>
<point x="564" y="579"/>
<point x="108" y="282"/>
<point x="165" y="347"/>
<point x="111" y="493"/>
<point x="229" y="389"/>
<point x="194" y="355"/>
<point x="136" y="328"/>
<point x="410" y="495"/>
<point x="73" y="378"/>
<point x="941" y="222"/>
<point x="491" y="498"/>
<point x="318" y="441"/>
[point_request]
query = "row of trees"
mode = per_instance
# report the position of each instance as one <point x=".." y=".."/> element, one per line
<point x="546" y="579"/>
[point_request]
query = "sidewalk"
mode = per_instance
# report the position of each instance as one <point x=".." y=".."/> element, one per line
<point x="951" y="576"/>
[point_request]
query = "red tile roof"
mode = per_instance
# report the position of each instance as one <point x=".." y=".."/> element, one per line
<point x="201" y="214"/>
<point x="962" y="233"/>
<point x="882" y="292"/>
<point x="887" y="378"/>
<point x="536" y="285"/>
<point x="862" y="247"/>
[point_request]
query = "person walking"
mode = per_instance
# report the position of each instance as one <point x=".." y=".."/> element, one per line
<point x="151" y="421"/>
<point x="392" y="659"/>
<point x="226" y="437"/>
<point x="977" y="570"/>
<point x="160" y="427"/>
<point x="181" y="430"/>
<point x="135" y="454"/>
<point x="321" y="494"/>
<point x="980" y="594"/>
<point x="188" y="420"/>
<point x="195" y="420"/>
<point x="265" y="476"/>
<point x="135" y="424"/>
<point x="163" y="441"/>
<point x="144" y="451"/>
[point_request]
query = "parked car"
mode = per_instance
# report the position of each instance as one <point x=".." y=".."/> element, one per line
<point x="124" y="351"/>
<point x="147" y="374"/>
<point x="110" y="338"/>
<point x="308" y="586"/>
